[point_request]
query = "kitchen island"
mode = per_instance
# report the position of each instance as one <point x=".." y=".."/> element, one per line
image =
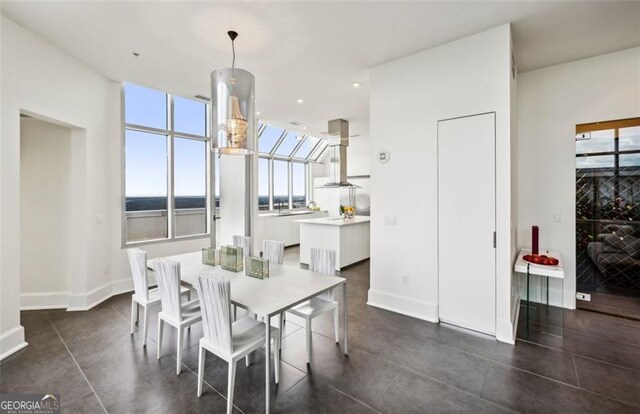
<point x="349" y="238"/>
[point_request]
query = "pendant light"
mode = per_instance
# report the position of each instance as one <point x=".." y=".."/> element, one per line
<point x="232" y="108"/>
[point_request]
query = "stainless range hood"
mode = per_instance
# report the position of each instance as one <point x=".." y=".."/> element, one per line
<point x="338" y="161"/>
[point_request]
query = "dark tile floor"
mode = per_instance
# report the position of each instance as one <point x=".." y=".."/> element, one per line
<point x="396" y="364"/>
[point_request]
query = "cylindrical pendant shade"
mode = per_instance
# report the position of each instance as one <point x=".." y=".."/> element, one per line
<point x="233" y="124"/>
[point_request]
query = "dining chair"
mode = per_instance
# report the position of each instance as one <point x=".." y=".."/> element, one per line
<point x="228" y="340"/>
<point x="245" y="243"/>
<point x="321" y="261"/>
<point x="273" y="251"/>
<point x="142" y="295"/>
<point x="174" y="312"/>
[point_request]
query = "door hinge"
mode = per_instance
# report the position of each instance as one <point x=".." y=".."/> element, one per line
<point x="494" y="239"/>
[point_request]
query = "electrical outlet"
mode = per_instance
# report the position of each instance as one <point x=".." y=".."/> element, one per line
<point x="557" y="218"/>
<point x="405" y="280"/>
<point x="583" y="296"/>
<point x="99" y="219"/>
<point x="389" y="220"/>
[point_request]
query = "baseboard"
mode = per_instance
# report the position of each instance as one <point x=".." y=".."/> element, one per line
<point x="12" y="341"/>
<point x="86" y="301"/>
<point x="506" y="328"/>
<point x="44" y="300"/>
<point x="404" y="305"/>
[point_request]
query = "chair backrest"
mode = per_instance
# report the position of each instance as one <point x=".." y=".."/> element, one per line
<point x="138" y="264"/>
<point x="215" y="302"/>
<point x="245" y="243"/>
<point x="323" y="261"/>
<point x="168" y="277"/>
<point x="273" y="251"/>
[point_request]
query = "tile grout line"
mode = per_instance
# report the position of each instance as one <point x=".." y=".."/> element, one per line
<point x="575" y="369"/>
<point x="78" y="365"/>
<point x="350" y="396"/>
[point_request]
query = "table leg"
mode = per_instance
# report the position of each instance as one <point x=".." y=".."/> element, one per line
<point x="267" y="361"/>
<point x="547" y="292"/>
<point x="346" y="317"/>
<point x="528" y="304"/>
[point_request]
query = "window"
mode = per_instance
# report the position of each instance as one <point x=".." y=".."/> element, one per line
<point x="283" y="167"/>
<point x="288" y="144"/>
<point x="299" y="184"/>
<point x="163" y="202"/>
<point x="263" y="184"/>
<point x="280" y="184"/>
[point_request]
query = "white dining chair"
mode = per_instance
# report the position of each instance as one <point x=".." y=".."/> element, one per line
<point x="174" y="312"/>
<point x="228" y="340"/>
<point x="321" y="261"/>
<point x="245" y="243"/>
<point x="142" y="295"/>
<point x="273" y="251"/>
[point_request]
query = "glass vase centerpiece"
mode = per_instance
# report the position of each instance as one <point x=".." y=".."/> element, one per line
<point x="210" y="256"/>
<point x="256" y="267"/>
<point x="231" y="258"/>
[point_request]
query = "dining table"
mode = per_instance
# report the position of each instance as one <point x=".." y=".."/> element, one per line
<point x="286" y="287"/>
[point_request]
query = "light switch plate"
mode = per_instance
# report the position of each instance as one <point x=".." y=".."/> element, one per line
<point x="557" y="218"/>
<point x="390" y="220"/>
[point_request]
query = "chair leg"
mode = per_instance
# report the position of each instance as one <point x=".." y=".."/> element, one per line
<point x="230" y="386"/>
<point x="179" y="353"/>
<point x="146" y="324"/>
<point x="160" y="331"/>
<point x="137" y="312"/>
<point x="201" y="360"/>
<point x="308" y="341"/>
<point x="336" y="323"/>
<point x="247" y="362"/>
<point x="235" y="313"/>
<point x="133" y="314"/>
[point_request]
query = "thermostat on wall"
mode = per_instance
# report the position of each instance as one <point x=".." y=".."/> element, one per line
<point x="383" y="156"/>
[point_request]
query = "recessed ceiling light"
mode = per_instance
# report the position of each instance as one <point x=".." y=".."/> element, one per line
<point x="304" y="128"/>
<point x="356" y="84"/>
<point x="257" y="113"/>
<point x="300" y="101"/>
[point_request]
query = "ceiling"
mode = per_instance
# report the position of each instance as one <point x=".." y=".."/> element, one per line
<point x="310" y="50"/>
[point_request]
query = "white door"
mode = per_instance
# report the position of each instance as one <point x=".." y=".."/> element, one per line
<point x="467" y="222"/>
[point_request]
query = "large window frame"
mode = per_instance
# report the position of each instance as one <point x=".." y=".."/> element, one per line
<point x="318" y="148"/>
<point x="170" y="134"/>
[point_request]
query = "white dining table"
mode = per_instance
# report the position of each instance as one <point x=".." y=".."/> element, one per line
<point x="286" y="287"/>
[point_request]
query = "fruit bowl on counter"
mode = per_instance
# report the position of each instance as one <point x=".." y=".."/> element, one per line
<point x="541" y="259"/>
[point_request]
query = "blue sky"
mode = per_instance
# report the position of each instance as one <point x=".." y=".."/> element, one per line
<point x="146" y="153"/>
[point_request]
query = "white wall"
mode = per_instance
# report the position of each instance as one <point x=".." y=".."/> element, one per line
<point x="40" y="79"/>
<point x="45" y="173"/>
<point x="408" y="97"/>
<point x="551" y="101"/>
<point x="359" y="156"/>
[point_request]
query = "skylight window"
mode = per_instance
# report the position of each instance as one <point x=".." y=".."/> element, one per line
<point x="285" y="144"/>
<point x="289" y="143"/>
<point x="268" y="138"/>
<point x="306" y="147"/>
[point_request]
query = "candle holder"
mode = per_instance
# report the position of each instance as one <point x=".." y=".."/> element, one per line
<point x="210" y="256"/>
<point x="256" y="267"/>
<point x="231" y="258"/>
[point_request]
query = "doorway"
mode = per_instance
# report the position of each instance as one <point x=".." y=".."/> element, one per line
<point x="45" y="205"/>
<point x="608" y="217"/>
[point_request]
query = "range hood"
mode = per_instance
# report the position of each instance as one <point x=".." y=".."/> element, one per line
<point x="338" y="160"/>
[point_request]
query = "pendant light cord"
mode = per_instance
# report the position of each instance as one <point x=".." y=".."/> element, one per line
<point x="233" y="50"/>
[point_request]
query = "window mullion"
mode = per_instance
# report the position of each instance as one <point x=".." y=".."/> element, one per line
<point x="290" y="183"/>
<point x="270" y="180"/>
<point x="171" y="202"/>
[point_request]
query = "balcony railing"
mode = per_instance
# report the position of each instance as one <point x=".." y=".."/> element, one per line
<point x="153" y="224"/>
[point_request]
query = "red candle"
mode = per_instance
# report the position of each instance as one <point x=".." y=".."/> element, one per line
<point x="534" y="239"/>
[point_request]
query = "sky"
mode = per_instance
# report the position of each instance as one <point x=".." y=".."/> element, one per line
<point x="146" y="153"/>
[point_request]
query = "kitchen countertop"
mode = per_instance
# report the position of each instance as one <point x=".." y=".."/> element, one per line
<point x="335" y="221"/>
<point x="290" y="213"/>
